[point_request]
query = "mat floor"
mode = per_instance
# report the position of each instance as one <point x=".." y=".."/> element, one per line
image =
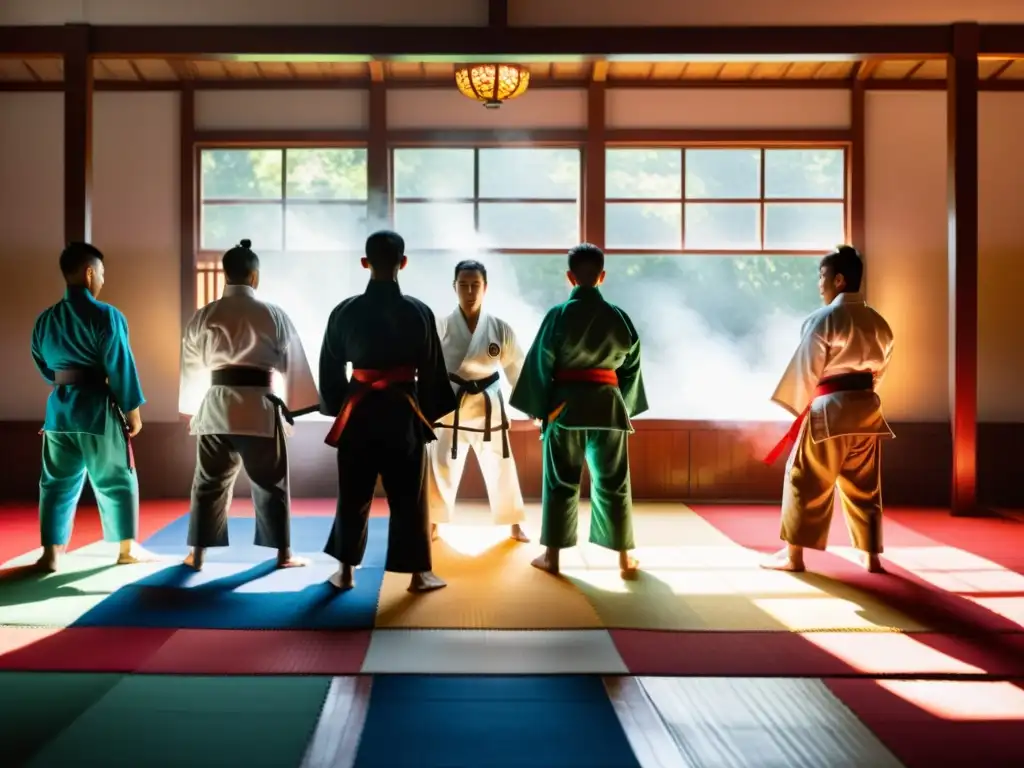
<point x="705" y="660"/>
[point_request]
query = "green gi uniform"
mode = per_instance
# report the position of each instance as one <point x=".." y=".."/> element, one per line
<point x="584" y="420"/>
<point x="84" y="433"/>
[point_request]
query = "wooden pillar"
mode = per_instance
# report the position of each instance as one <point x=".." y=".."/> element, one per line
<point x="962" y="166"/>
<point x="77" y="134"/>
<point x="188" y="201"/>
<point x="855" y="165"/>
<point x="594" y="160"/>
<point x="378" y="155"/>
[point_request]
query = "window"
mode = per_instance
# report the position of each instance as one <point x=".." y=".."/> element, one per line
<point x="714" y="254"/>
<point x="305" y="211"/>
<point x="297" y="205"/>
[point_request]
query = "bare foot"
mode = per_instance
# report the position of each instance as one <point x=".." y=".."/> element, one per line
<point x="286" y="559"/>
<point x="872" y="563"/>
<point x="547" y="562"/>
<point x="518" y="534"/>
<point x="426" y="581"/>
<point x="785" y="560"/>
<point x="136" y="554"/>
<point x="628" y="566"/>
<point x="433" y="532"/>
<point x="47" y="563"/>
<point x="195" y="559"/>
<point x="342" y="579"/>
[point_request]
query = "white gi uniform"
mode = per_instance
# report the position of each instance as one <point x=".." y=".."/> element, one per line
<point x="474" y="361"/>
<point x="845" y="349"/>
<point x="230" y="351"/>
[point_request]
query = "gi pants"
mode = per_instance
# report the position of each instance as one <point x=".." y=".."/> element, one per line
<point x="606" y="453"/>
<point x="383" y="438"/>
<point x="814" y="471"/>
<point x="500" y="477"/>
<point x="219" y="458"/>
<point x="70" y="457"/>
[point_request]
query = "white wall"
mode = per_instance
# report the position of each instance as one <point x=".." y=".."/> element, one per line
<point x="135" y="210"/>
<point x="521" y="12"/>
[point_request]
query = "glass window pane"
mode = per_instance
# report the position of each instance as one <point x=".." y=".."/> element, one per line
<point x="723" y="226"/>
<point x="723" y="174"/>
<point x="530" y="173"/>
<point x="806" y="173"/>
<point x="241" y="174"/>
<point x="434" y="173"/>
<point x="650" y="174"/>
<point x="644" y="225"/>
<point x="223" y="225"/>
<point x="530" y="225"/>
<point x="326" y="174"/>
<point x="804" y="226"/>
<point x="435" y="225"/>
<point x="325" y="227"/>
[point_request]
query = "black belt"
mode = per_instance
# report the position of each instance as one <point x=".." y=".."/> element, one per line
<point x="243" y="376"/>
<point x="94" y="378"/>
<point x="478" y="387"/>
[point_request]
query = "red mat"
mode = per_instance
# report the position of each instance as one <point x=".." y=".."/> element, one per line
<point x="78" y="649"/>
<point x="182" y="651"/>
<point x="267" y="652"/>
<point x="965" y="723"/>
<point x="943" y="611"/>
<point x="815" y="654"/>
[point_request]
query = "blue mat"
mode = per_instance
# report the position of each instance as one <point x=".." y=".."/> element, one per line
<point x="500" y="722"/>
<point x="309" y="535"/>
<point x="241" y="589"/>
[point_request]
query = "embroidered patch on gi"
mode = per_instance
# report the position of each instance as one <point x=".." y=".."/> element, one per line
<point x="493" y="349"/>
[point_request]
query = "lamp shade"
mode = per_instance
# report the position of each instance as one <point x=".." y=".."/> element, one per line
<point x="492" y="83"/>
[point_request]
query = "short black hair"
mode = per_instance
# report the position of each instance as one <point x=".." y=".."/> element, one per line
<point x="471" y="265"/>
<point x="77" y="256"/>
<point x="385" y="249"/>
<point x="586" y="262"/>
<point x="240" y="262"/>
<point x="845" y="261"/>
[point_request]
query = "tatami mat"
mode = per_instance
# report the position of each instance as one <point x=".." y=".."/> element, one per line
<point x="157" y="721"/>
<point x="491" y="585"/>
<point x="694" y="577"/>
<point x="770" y="723"/>
<point x="487" y="652"/>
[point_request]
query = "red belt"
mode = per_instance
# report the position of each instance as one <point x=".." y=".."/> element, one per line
<point x="371" y="379"/>
<point x="853" y="382"/>
<point x="587" y="375"/>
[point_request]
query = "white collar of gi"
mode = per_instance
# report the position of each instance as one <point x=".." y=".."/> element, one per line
<point x="239" y="290"/>
<point x="848" y="298"/>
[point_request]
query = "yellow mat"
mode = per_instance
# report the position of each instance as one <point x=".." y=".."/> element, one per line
<point x="491" y="585"/>
<point x="692" y="578"/>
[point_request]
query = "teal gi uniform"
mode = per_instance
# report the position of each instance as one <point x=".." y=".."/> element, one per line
<point x="584" y="421"/>
<point x="83" y="434"/>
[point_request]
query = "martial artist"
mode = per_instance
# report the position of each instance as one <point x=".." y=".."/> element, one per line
<point x="582" y="380"/>
<point x="383" y="415"/>
<point x="81" y="348"/>
<point x="477" y="347"/>
<point x="229" y="353"/>
<point x="830" y="387"/>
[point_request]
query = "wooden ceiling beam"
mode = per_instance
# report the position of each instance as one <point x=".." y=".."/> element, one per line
<point x="599" y="72"/>
<point x="727" y="42"/>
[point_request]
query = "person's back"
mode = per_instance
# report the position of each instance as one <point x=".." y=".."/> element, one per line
<point x="591" y="333"/>
<point x="80" y="347"/>
<point x="582" y="380"/>
<point x="383" y="414"/>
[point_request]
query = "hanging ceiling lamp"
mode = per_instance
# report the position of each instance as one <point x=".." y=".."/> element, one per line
<point x="492" y="83"/>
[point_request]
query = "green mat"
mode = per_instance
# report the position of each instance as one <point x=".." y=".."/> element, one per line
<point x="158" y="721"/>
<point x="36" y="706"/>
<point x="60" y="599"/>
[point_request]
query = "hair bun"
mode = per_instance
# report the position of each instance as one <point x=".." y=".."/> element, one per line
<point x="246" y="243"/>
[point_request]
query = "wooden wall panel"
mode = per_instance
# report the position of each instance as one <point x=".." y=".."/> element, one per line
<point x="691" y="461"/>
